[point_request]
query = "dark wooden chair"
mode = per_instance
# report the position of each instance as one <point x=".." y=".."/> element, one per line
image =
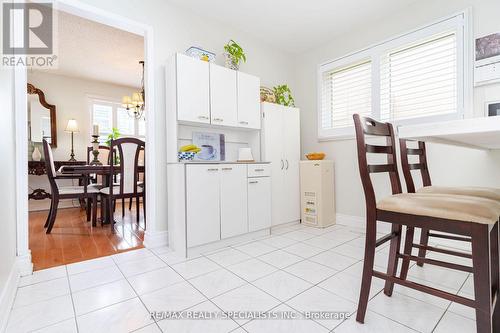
<point x="476" y="218"/>
<point x="66" y="192"/>
<point x="422" y="167"/>
<point x="141" y="177"/>
<point x="128" y="150"/>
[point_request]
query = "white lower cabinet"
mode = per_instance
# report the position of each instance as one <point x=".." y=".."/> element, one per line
<point x="233" y="200"/>
<point x="203" y="204"/>
<point x="226" y="200"/>
<point x="259" y="203"/>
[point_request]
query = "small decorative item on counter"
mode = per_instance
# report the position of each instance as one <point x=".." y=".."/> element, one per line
<point x="199" y="53"/>
<point x="283" y="95"/>
<point x="245" y="155"/>
<point x="234" y="55"/>
<point x="36" y="156"/>
<point x="187" y="152"/>
<point x="267" y="95"/>
<point x="315" y="156"/>
<point x="212" y="145"/>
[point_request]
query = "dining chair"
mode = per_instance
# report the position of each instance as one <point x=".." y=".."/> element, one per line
<point x="127" y="150"/>
<point x="66" y="192"/>
<point x="141" y="179"/>
<point x="422" y="167"/>
<point x="474" y="217"/>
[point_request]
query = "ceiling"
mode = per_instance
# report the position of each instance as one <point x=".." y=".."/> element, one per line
<point x="90" y="50"/>
<point x="294" y="25"/>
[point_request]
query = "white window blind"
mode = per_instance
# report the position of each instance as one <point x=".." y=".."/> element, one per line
<point x="420" y="79"/>
<point x="417" y="77"/>
<point x="346" y="90"/>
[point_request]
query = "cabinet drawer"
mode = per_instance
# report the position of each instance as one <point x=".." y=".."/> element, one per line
<point x="259" y="170"/>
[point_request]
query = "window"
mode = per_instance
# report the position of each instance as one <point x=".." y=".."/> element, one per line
<point x="109" y="114"/>
<point x="417" y="77"/>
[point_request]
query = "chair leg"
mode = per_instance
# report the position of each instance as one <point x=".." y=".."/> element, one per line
<point x="410" y="231"/>
<point x="94" y="211"/>
<point x="53" y="215"/>
<point x="130" y="204"/>
<point x="144" y="209"/>
<point x="48" y="216"/>
<point x="123" y="207"/>
<point x="137" y="209"/>
<point x="370" y="241"/>
<point x="424" y="240"/>
<point x="482" y="277"/>
<point x="392" y="264"/>
<point x="88" y="208"/>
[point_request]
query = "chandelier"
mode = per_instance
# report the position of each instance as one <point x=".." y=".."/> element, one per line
<point x="135" y="104"/>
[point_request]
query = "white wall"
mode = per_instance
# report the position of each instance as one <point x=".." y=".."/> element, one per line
<point x="449" y="165"/>
<point x="174" y="31"/>
<point x="70" y="96"/>
<point x="8" y="181"/>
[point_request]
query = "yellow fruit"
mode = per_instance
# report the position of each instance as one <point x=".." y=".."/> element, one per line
<point x="188" y="148"/>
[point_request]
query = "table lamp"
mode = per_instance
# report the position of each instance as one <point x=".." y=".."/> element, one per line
<point x="72" y="128"/>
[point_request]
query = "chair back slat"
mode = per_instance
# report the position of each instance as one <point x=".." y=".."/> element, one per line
<point x="367" y="126"/>
<point x="378" y="149"/>
<point x="50" y="166"/>
<point x="128" y="150"/>
<point x="421" y="165"/>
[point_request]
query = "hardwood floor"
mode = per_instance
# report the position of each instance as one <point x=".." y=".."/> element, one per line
<point x="73" y="239"/>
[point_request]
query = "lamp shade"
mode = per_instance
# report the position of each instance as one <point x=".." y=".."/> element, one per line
<point x="137" y="99"/>
<point x="72" y="126"/>
<point x="126" y="101"/>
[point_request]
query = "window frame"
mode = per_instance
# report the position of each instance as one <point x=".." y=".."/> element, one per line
<point x="459" y="23"/>
<point x="115" y="104"/>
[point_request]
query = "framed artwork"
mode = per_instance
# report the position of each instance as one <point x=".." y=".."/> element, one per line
<point x="488" y="46"/>
<point x="213" y="146"/>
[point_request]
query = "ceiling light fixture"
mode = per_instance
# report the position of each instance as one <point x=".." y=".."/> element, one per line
<point x="135" y="104"/>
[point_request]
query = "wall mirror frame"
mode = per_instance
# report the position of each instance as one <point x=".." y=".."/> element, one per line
<point x="32" y="90"/>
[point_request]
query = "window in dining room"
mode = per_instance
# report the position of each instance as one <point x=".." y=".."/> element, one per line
<point x="109" y="114"/>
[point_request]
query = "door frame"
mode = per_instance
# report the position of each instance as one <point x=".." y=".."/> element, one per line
<point x="152" y="237"/>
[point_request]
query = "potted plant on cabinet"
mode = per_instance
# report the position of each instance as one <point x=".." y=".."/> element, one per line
<point x="234" y="55"/>
<point x="283" y="95"/>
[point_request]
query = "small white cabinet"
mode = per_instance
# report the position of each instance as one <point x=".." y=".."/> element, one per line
<point x="233" y="200"/>
<point x="259" y="203"/>
<point x="248" y="94"/>
<point x="193" y="101"/>
<point x="223" y="96"/>
<point x="203" y="204"/>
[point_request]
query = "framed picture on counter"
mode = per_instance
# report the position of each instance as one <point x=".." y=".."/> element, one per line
<point x="213" y="146"/>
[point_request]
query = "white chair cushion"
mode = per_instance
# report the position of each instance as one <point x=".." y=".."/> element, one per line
<point x="77" y="189"/>
<point x="481" y="192"/>
<point x="116" y="190"/>
<point x="452" y="207"/>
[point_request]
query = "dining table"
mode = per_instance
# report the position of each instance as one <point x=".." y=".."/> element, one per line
<point x="106" y="171"/>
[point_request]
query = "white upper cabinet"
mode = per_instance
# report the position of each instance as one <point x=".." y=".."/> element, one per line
<point x="248" y="101"/>
<point x="193" y="101"/>
<point x="223" y="101"/>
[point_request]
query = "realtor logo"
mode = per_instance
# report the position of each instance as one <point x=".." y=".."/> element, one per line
<point x="28" y="34"/>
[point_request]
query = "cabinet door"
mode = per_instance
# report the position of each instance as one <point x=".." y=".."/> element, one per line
<point x="223" y="96"/>
<point x="233" y="204"/>
<point x="193" y="102"/>
<point x="273" y="152"/>
<point x="203" y="204"/>
<point x="248" y="101"/>
<point x="259" y="203"/>
<point x="291" y="180"/>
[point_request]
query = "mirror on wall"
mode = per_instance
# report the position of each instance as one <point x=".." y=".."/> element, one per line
<point x="41" y="117"/>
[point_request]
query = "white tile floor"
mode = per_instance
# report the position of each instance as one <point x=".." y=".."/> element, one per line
<point x="298" y="270"/>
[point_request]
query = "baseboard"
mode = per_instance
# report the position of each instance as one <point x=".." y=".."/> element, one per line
<point x="8" y="293"/>
<point x="360" y="222"/>
<point x="24" y="264"/>
<point x="153" y="239"/>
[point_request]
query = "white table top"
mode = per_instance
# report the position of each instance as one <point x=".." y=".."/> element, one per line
<point x="481" y="133"/>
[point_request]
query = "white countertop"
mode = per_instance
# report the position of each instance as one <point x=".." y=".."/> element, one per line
<point x="217" y="162"/>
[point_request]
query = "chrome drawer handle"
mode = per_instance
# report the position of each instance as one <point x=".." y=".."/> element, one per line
<point x="213" y="169"/>
<point x="259" y="170"/>
<point x="226" y="169"/>
<point x="244" y="122"/>
<point x="253" y="182"/>
<point x="202" y="117"/>
<point x="218" y="119"/>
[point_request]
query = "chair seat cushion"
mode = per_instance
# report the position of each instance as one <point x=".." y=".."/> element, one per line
<point x="116" y="190"/>
<point x="76" y="189"/>
<point x="452" y="207"/>
<point x="481" y="192"/>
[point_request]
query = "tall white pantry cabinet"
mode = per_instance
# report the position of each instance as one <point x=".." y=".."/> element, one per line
<point x="281" y="146"/>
